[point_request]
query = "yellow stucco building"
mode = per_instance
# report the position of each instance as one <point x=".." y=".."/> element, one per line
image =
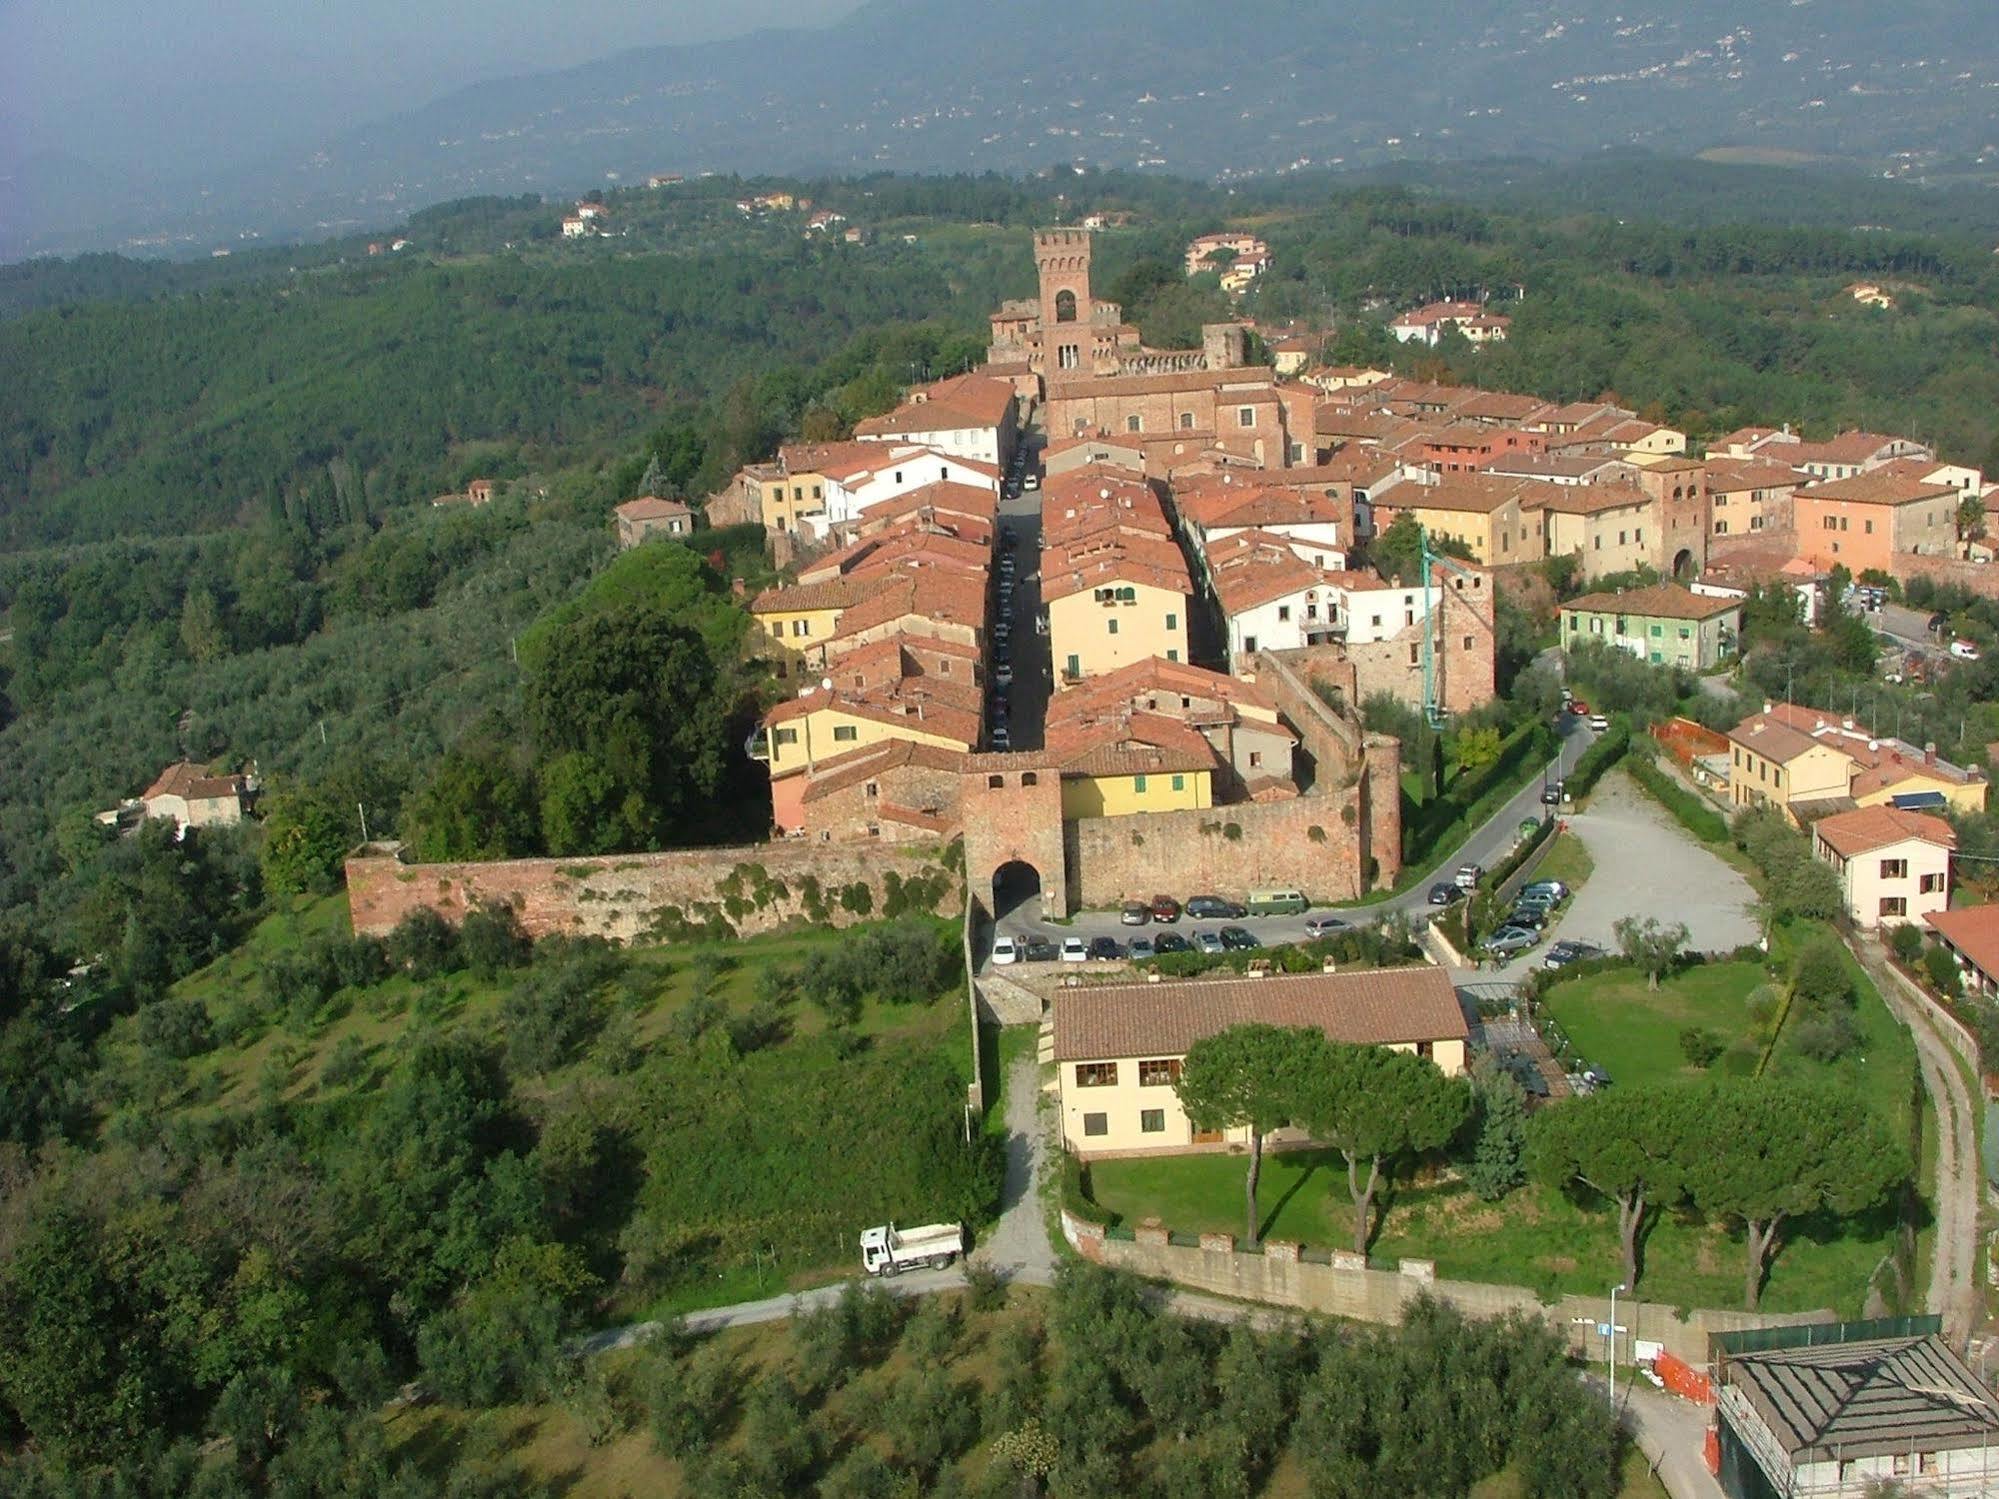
<point x="1119" y="1047"/>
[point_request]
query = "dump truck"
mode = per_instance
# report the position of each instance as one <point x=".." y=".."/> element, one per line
<point x="888" y="1250"/>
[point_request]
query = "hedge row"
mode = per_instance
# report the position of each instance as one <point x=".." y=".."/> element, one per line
<point x="1692" y="813"/>
<point x="1600" y="757"/>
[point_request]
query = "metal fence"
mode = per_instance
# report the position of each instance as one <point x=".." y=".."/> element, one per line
<point x="1815" y="1334"/>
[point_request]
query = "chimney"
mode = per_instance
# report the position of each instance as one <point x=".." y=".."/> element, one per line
<point x="1768" y="705"/>
<point x="1329" y="966"/>
<point x="739" y="587"/>
<point x="1846" y="723"/>
<point x="1930" y="752"/>
<point x="1152" y="975"/>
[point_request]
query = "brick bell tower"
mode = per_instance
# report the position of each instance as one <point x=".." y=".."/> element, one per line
<point x="1062" y="257"/>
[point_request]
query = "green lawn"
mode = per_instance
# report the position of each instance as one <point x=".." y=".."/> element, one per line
<point x="1536" y="1237"/>
<point x="1613" y="1022"/>
<point x="1545" y="1239"/>
<point x="1567" y="860"/>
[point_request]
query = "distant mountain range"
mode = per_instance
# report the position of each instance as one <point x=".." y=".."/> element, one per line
<point x="1192" y="89"/>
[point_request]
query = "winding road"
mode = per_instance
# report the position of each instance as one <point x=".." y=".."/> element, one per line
<point x="1953" y="1293"/>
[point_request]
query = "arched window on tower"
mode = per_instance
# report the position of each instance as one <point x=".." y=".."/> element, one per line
<point x="1065" y="307"/>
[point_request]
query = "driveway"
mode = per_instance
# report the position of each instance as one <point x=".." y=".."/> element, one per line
<point x="1646" y="865"/>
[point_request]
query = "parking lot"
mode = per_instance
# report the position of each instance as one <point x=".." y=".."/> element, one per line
<point x="1646" y="865"/>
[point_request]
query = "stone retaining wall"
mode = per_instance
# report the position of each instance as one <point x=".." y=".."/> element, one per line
<point x="757" y="888"/>
<point x="1349" y="1287"/>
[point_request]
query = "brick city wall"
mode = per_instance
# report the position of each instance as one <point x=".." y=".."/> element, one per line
<point x="1311" y="843"/>
<point x="1975" y="577"/>
<point x="626" y="896"/>
<point x="1349" y="1287"/>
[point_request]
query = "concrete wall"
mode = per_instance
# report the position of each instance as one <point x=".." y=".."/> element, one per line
<point x="625" y="896"/>
<point x="1348" y="1287"/>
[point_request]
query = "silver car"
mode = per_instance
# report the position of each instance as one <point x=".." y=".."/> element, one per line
<point x="1509" y="940"/>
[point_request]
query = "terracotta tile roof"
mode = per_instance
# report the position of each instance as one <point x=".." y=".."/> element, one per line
<point x="1115" y="565"/>
<point x="651" y="507"/>
<point x="1591" y="499"/>
<point x="940" y="497"/>
<point x="1733" y="475"/>
<point x="1856" y="832"/>
<point x="816" y="457"/>
<point x="1550" y="466"/>
<point x="832" y="593"/>
<point x="1879" y="762"/>
<point x="1478" y="493"/>
<point x="193" y="783"/>
<point x="1876" y="488"/>
<point x="1500" y="406"/>
<point x="1142" y="684"/>
<point x="1843" y="447"/>
<point x="962" y="403"/>
<point x="1248" y="384"/>
<point x="1252" y="568"/>
<point x="1973" y="931"/>
<point x="1266" y="505"/>
<point x="1358" y="466"/>
<point x="947" y="598"/>
<point x="911" y="705"/>
<point x="1660" y="601"/>
<point x="1743" y="437"/>
<point x="1375" y="1007"/>
<point x="1131" y="744"/>
<point x="847" y="770"/>
<point x="1772" y="738"/>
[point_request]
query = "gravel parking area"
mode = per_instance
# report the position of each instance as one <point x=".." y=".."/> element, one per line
<point x="1648" y="865"/>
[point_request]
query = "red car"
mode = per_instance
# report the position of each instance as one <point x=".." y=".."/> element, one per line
<point x="1578" y="707"/>
<point x="1165" y="908"/>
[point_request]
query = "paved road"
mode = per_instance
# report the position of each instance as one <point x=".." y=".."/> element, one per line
<point x="1953" y="1293"/>
<point x="1672" y="1434"/>
<point x="1027" y="695"/>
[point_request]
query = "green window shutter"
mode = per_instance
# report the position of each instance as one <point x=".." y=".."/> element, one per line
<point x="1179" y="783"/>
<point x="1138" y="784"/>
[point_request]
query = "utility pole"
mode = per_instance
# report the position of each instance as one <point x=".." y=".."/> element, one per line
<point x="364" y="820"/>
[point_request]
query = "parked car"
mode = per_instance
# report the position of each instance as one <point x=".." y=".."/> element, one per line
<point x="1552" y="794"/>
<point x="1599" y="724"/>
<point x="1135" y="913"/>
<point x="1564" y="953"/>
<point x="1042" y="950"/>
<point x="1141" y="947"/>
<point x="1468" y="876"/>
<point x="1165" y="908"/>
<point x="1075" y="950"/>
<point x="1509" y="940"/>
<point x="1167" y="942"/>
<point x="1214" y="908"/>
<point x="1964" y="650"/>
<point x="1238" y="938"/>
<point x="1554" y="890"/>
<point x="1032" y="481"/>
<point x="1006" y="950"/>
<point x="1326" y="926"/>
<point x="1003" y="674"/>
<point x="1103" y="949"/>
<point x="1209" y="942"/>
<point x="1442" y="894"/>
<point x="1001" y="739"/>
<point x="1939" y="622"/>
<point x="1532" y="918"/>
<point x="1578" y="707"/>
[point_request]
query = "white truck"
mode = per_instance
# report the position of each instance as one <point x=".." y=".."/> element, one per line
<point x="888" y="1250"/>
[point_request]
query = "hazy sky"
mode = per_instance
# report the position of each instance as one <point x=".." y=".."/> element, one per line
<point x="145" y="86"/>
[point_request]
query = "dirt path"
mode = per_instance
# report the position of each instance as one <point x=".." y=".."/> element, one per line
<point x="1017" y="1245"/>
<point x="1952" y="1293"/>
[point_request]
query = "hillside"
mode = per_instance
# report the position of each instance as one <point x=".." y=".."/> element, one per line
<point x="1162" y="87"/>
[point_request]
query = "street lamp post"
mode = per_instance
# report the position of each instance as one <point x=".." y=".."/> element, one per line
<point x="1610" y="1343"/>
